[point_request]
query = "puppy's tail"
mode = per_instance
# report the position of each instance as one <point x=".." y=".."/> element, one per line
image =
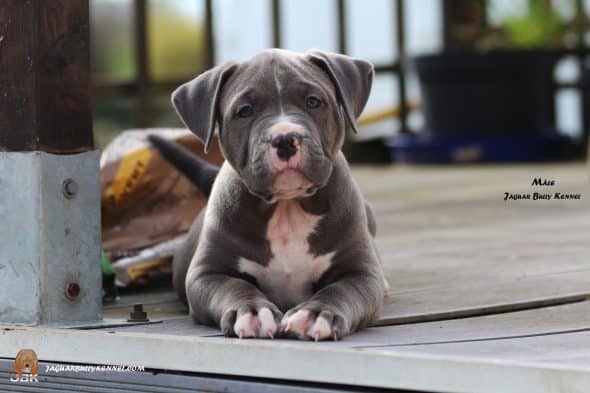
<point x="199" y="172"/>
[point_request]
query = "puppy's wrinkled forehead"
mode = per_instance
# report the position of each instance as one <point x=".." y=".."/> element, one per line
<point x="275" y="75"/>
<point x="265" y="82"/>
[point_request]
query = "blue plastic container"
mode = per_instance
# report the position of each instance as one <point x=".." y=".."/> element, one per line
<point x="428" y="148"/>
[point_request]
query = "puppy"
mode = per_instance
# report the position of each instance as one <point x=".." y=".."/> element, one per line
<point x="286" y="242"/>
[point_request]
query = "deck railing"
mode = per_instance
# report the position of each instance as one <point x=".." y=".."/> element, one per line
<point x="143" y="86"/>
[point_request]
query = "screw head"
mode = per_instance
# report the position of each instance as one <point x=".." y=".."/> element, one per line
<point x="69" y="188"/>
<point x="73" y="290"/>
<point x="138" y="315"/>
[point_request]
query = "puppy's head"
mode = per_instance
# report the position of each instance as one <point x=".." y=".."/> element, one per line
<point x="281" y="116"/>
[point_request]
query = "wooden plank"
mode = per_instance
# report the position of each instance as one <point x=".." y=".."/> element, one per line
<point x="301" y="361"/>
<point x="44" y="83"/>
<point x="566" y="318"/>
<point x="436" y="304"/>
<point x="148" y="297"/>
<point x="17" y="77"/>
<point x="179" y="326"/>
<point x="572" y="317"/>
<point x="149" y="381"/>
<point x="485" y="297"/>
<point x="558" y="349"/>
<point x="156" y="311"/>
<point x="480" y="256"/>
<point x="447" y="239"/>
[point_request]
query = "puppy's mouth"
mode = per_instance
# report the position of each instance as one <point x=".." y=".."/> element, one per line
<point x="289" y="179"/>
<point x="287" y="183"/>
<point x="290" y="183"/>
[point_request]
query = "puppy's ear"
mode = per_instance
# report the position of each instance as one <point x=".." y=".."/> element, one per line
<point x="352" y="79"/>
<point x="197" y="101"/>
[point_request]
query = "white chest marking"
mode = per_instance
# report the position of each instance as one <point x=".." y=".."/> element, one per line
<point x="287" y="279"/>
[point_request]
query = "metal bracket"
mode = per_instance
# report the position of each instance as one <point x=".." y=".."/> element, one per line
<point x="50" y="241"/>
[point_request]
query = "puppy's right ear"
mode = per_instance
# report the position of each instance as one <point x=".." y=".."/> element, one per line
<point x="197" y="101"/>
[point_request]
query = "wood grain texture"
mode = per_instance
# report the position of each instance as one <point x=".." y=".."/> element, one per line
<point x="545" y="320"/>
<point x="451" y="246"/>
<point x="566" y="318"/>
<point x="44" y="77"/>
<point x="181" y="326"/>
<point x="485" y="297"/>
<point x="562" y="349"/>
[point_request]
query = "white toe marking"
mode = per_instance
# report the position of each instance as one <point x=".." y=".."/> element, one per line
<point x="268" y="326"/>
<point x="299" y="322"/>
<point x="321" y="329"/>
<point x="247" y="326"/>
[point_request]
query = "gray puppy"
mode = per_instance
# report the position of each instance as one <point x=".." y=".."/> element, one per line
<point x="286" y="229"/>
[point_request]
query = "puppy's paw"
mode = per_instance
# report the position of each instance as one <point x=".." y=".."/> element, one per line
<point x="251" y="322"/>
<point x="313" y="323"/>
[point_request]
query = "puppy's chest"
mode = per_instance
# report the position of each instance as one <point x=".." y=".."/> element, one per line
<point x="288" y="277"/>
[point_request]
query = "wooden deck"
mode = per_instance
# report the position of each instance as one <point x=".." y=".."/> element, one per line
<point x="486" y="295"/>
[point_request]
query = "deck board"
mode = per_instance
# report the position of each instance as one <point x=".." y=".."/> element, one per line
<point x="553" y="320"/>
<point x="183" y="326"/>
<point x="451" y="247"/>
<point x="399" y="367"/>
<point x="567" y="318"/>
<point x="481" y="290"/>
<point x="431" y="304"/>
<point x="485" y="296"/>
<point x="564" y="349"/>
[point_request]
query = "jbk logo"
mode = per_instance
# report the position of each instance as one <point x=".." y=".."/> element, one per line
<point x="26" y="366"/>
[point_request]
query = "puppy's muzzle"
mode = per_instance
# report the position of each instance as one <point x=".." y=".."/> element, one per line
<point x="286" y="145"/>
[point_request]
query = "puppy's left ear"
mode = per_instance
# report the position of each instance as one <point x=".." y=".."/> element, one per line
<point x="197" y="101"/>
<point x="351" y="77"/>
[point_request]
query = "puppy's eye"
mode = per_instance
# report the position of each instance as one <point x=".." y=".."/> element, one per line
<point x="312" y="102"/>
<point x="245" y="111"/>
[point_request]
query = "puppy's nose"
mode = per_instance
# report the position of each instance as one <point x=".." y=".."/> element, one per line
<point x="286" y="145"/>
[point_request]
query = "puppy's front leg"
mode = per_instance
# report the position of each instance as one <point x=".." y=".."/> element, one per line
<point x="235" y="305"/>
<point x="350" y="303"/>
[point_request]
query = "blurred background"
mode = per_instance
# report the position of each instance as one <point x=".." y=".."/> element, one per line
<point x="456" y="81"/>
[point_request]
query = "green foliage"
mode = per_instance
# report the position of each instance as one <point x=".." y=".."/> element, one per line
<point x="540" y="27"/>
<point x="176" y="44"/>
<point x="175" y="41"/>
<point x="111" y="40"/>
<point x="175" y="47"/>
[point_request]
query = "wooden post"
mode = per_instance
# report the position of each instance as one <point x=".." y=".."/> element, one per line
<point x="142" y="110"/>
<point x="209" y="36"/>
<point x="341" y="26"/>
<point x="400" y="38"/>
<point x="49" y="180"/>
<point x="44" y="76"/>
<point x="277" y="36"/>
